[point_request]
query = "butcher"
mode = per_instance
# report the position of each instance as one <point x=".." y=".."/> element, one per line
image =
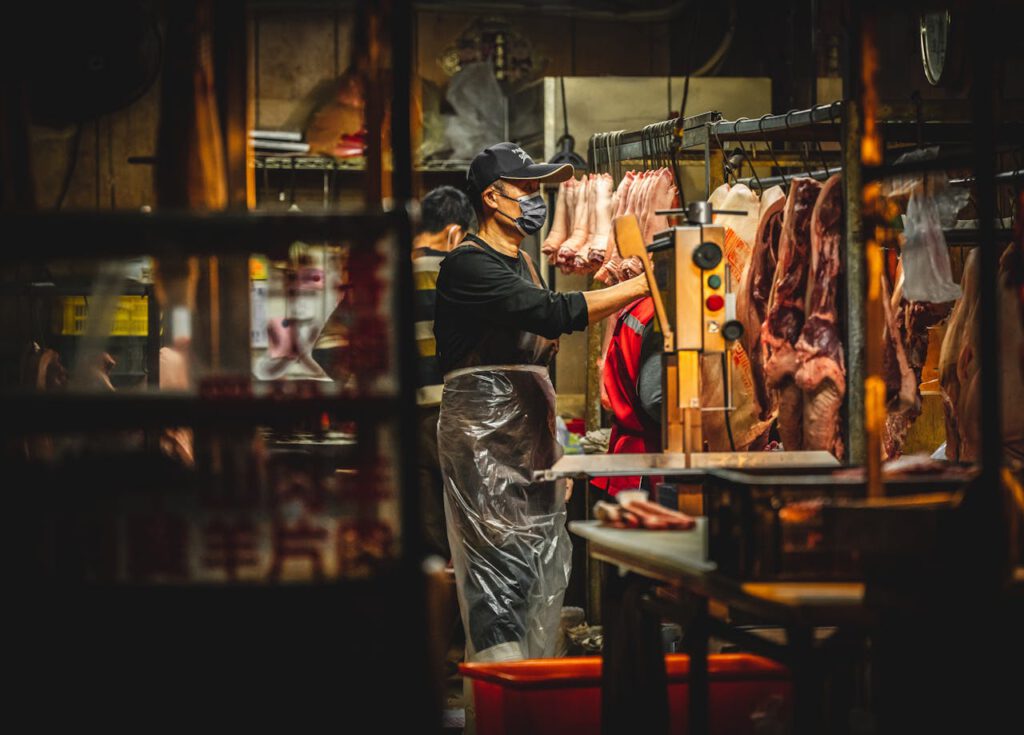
<point x="496" y="326"/>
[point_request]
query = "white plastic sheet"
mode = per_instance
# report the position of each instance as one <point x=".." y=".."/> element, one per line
<point x="479" y="104"/>
<point x="510" y="548"/>
<point x="926" y="268"/>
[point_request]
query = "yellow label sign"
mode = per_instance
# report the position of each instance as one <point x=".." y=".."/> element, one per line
<point x="257" y="268"/>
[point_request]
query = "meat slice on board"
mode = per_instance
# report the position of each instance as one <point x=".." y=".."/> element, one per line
<point x="755" y="289"/>
<point x="822" y="371"/>
<point x="785" y="317"/>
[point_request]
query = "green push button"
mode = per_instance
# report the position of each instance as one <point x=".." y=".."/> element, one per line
<point x="714" y="281"/>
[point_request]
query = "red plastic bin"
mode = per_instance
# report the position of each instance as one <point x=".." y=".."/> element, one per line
<point x="555" y="696"/>
<point x="576" y="426"/>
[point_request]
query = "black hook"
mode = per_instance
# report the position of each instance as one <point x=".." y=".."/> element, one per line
<point x="606" y="144"/>
<point x="266" y="183"/>
<point x="652" y="148"/>
<point x="655" y="153"/>
<point x="643" y="145"/>
<point x="661" y="148"/>
<point x="613" y="156"/>
<point x="804" y="158"/>
<point x="664" y="135"/>
<point x="832" y="111"/>
<point x="291" y="185"/>
<point x="821" y="153"/>
<point x="617" y="158"/>
<point x="725" y="167"/>
<point x="652" y="152"/>
<point x="656" y="137"/>
<point x="750" y="162"/>
<point x="736" y="124"/>
<point x="771" y="149"/>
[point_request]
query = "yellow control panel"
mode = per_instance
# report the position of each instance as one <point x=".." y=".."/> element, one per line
<point x="700" y="288"/>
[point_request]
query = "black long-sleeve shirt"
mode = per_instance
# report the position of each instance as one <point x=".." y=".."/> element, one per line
<point x="481" y="292"/>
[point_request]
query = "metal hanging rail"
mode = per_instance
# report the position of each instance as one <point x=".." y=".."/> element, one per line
<point x="816" y="123"/>
<point x="768" y="126"/>
<point x="708" y="131"/>
<point x="636" y="145"/>
<point x="1004" y="177"/>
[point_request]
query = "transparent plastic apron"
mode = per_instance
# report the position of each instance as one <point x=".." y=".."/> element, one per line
<point x="510" y="548"/>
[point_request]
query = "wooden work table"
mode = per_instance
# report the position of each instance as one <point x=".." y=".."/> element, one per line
<point x="638" y="560"/>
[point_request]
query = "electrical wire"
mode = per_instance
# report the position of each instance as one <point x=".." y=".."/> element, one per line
<point x="681" y="120"/>
<point x="725" y="402"/>
<point x="69" y="174"/>
<point x="715" y="61"/>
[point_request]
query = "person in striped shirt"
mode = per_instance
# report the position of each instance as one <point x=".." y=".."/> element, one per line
<point x="446" y="217"/>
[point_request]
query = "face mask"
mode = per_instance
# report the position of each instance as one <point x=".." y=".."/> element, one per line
<point x="533" y="212"/>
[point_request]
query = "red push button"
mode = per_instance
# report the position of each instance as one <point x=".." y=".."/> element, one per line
<point x="715" y="302"/>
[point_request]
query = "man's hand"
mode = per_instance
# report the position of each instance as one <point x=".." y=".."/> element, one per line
<point x="606" y="301"/>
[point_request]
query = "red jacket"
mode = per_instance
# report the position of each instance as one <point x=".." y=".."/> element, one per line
<point x="632" y="430"/>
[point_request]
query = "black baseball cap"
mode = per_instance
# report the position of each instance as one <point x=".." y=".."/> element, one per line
<point x="509" y="161"/>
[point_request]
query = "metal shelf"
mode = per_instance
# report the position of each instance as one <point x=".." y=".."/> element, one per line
<point x="26" y="413"/>
<point x="308" y="163"/>
<point x="345" y="165"/>
<point x="34" y="236"/>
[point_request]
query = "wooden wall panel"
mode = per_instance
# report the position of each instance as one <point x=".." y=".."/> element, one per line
<point x="103" y="178"/>
<point x="299" y="54"/>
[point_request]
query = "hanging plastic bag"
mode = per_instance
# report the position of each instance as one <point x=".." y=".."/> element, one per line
<point x="932" y="205"/>
<point x="927" y="272"/>
<point x="904" y="185"/>
<point x="479" y="104"/>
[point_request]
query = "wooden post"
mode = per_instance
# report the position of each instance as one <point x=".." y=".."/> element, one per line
<point x="229" y="274"/>
<point x="870" y="151"/>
